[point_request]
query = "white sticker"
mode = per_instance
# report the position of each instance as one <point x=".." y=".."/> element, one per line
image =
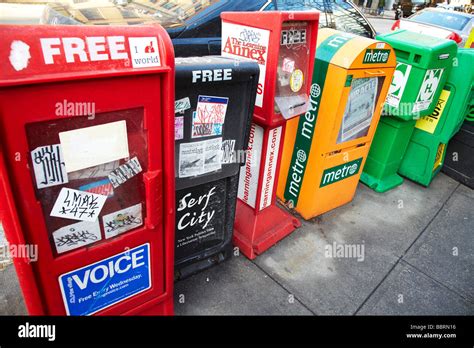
<point x="209" y="117"/>
<point x="48" y="165"/>
<point x="269" y="171"/>
<point x="227" y="149"/>
<point x="212" y="155"/>
<point x="122" y="221"/>
<point x="380" y="45"/>
<point x="100" y="171"/>
<point x="399" y="82"/>
<point x="92" y="146"/>
<point x="182" y="105"/>
<point x="199" y="157"/>
<point x="288" y="65"/>
<point x="125" y="172"/>
<point x="178" y="127"/>
<point x="76" y="236"/>
<point x="428" y="90"/>
<point x="249" y="173"/>
<point x="247" y="43"/>
<point x="19" y="55"/>
<point x="145" y="52"/>
<point x="78" y="205"/>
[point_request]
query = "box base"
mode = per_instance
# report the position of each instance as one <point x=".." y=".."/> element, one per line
<point x="254" y="232"/>
<point x="381" y="185"/>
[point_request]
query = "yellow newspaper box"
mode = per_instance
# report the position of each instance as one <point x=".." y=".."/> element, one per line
<point x="325" y="149"/>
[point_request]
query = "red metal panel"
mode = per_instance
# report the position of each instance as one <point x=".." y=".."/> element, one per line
<point x="120" y="90"/>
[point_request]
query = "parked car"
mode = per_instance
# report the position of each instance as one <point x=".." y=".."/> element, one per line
<point x="201" y="34"/>
<point x="440" y="23"/>
<point x="409" y="6"/>
<point x="195" y="26"/>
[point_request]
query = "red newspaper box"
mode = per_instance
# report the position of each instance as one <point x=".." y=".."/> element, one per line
<point x="284" y="46"/>
<point x="87" y="167"/>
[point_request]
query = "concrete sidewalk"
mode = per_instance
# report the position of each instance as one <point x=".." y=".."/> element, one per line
<point x="417" y="259"/>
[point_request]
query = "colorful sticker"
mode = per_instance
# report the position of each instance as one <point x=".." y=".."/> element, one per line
<point x="199" y="157"/>
<point x="429" y="123"/>
<point x="178" y="127"/>
<point x="209" y="117"/>
<point x="399" y="82"/>
<point x="182" y="105"/>
<point x="125" y="172"/>
<point x="247" y="43"/>
<point x="78" y="205"/>
<point x="98" y="145"/>
<point x="102" y="187"/>
<point x="296" y="80"/>
<point x="76" y="236"/>
<point x="122" y="221"/>
<point x="48" y="165"/>
<point x="427" y="90"/>
<point x="145" y="52"/>
<point x="102" y="284"/>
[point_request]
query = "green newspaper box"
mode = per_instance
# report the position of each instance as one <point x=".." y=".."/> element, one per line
<point x="423" y="65"/>
<point x="426" y="150"/>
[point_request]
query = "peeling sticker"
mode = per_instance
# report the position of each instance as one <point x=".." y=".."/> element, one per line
<point x="122" y="221"/>
<point x="125" y="172"/>
<point x="78" y="205"/>
<point x="76" y="235"/>
<point x="48" y="165"/>
<point x="182" y="105"/>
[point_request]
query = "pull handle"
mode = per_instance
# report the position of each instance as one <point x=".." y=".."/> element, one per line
<point x="374" y="73"/>
<point x="153" y="189"/>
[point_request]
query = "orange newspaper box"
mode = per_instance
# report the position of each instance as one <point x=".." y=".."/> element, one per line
<point x="87" y="167"/>
<point x="326" y="148"/>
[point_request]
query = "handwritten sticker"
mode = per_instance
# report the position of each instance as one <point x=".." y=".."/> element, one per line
<point x="228" y="151"/>
<point x="126" y="171"/>
<point x="178" y="127"/>
<point x="92" y="146"/>
<point x="102" y="187"/>
<point x="200" y="157"/>
<point x="100" y="171"/>
<point x="78" y="205"/>
<point x="209" y="116"/>
<point x="122" y="221"/>
<point x="182" y="105"/>
<point x="76" y="235"/>
<point x="48" y="165"/>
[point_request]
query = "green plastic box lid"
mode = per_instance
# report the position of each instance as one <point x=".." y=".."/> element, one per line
<point x="421" y="50"/>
